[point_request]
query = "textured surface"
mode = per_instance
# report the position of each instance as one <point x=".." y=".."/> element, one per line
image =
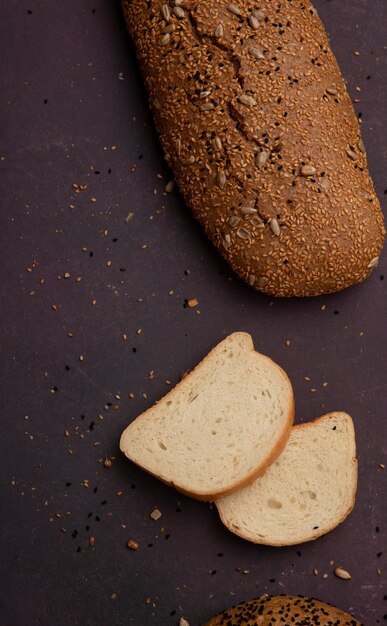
<point x="64" y="53"/>
<point x="220" y="427"/>
<point x="259" y="129"/>
<point x="286" y="610"/>
<point x="308" y="490"/>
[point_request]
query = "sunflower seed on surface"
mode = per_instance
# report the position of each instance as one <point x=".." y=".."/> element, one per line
<point x="373" y="263"/>
<point x="183" y="622"/>
<point x="360" y="145"/>
<point x="257" y="221"/>
<point x="243" y="233"/>
<point x="169" y="29"/>
<point x="248" y="210"/>
<point x="165" y="39"/>
<point x="342" y="573"/>
<point x="254" y="23"/>
<point x="221" y="179"/>
<point x="190" y="159"/>
<point x="234" y="221"/>
<point x="169" y="186"/>
<point x="261" y="158"/>
<point x="217" y="144"/>
<point x="219" y="30"/>
<point x="275" y="227"/>
<point x="262" y="281"/>
<point x="332" y="91"/>
<point x="204" y="94"/>
<point x="234" y="9"/>
<point x="178" y="146"/>
<point x="227" y="241"/>
<point x="207" y="106"/>
<point x="352" y="155"/>
<point x="165" y="12"/>
<point x="179" y="12"/>
<point x="307" y="170"/>
<point x="257" y="52"/>
<point x="251" y="280"/>
<point x="248" y="101"/>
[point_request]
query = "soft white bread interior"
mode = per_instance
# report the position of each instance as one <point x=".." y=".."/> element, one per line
<point x="220" y="427"/>
<point x="307" y="491"/>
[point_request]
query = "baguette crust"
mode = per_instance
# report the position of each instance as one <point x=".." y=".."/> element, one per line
<point x="271" y="610"/>
<point x="281" y="438"/>
<point x="258" y="128"/>
<point x="317" y="533"/>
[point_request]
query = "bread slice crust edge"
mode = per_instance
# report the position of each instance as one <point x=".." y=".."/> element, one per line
<point x="262" y="467"/>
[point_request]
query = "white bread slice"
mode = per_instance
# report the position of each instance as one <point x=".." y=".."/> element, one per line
<point x="220" y="427"/>
<point x="307" y="491"/>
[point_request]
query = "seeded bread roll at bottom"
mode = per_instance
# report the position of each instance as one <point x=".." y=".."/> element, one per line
<point x="259" y="130"/>
<point x="283" y="610"/>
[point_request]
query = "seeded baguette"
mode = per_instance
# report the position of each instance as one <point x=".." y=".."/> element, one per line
<point x="220" y="427"/>
<point x="309" y="490"/>
<point x="283" y="610"/>
<point x="258" y="128"/>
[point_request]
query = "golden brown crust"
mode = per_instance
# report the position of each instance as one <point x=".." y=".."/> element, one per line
<point x="261" y="135"/>
<point x="258" y="471"/>
<point x="271" y="610"/>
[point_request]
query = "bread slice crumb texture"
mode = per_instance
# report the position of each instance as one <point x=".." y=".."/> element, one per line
<point x="220" y="426"/>
<point x="307" y="491"/>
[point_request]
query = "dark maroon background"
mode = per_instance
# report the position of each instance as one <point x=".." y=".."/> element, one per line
<point x="63" y="108"/>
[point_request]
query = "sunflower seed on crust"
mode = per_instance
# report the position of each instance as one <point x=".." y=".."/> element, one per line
<point x="221" y="179"/>
<point x="257" y="221"/>
<point x="254" y="23"/>
<point x="261" y="158"/>
<point x="165" y="39"/>
<point x="178" y="146"/>
<point x="165" y="12"/>
<point x="248" y="101"/>
<point x="217" y="144"/>
<point x="226" y="241"/>
<point x="207" y="106"/>
<point x="219" y="30"/>
<point x="262" y="281"/>
<point x="275" y="227"/>
<point x="257" y="52"/>
<point x="307" y="170"/>
<point x="234" y="221"/>
<point x="352" y="155"/>
<point x="234" y="9"/>
<point x="243" y="233"/>
<point x="179" y="12"/>
<point x="373" y="263"/>
<point x="258" y="14"/>
<point x="248" y="210"/>
<point x="332" y="91"/>
<point x="251" y="280"/>
<point x="360" y="145"/>
<point x="169" y="29"/>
